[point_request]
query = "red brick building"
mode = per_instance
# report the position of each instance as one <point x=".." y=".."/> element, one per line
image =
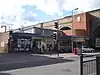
<point x="83" y="24"/>
<point x="79" y="24"/>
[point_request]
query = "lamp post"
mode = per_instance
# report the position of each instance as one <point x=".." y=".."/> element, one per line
<point x="72" y="25"/>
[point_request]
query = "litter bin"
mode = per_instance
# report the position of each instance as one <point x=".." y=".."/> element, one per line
<point x="75" y="51"/>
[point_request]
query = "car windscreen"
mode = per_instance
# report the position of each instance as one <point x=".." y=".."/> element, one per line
<point x="85" y="47"/>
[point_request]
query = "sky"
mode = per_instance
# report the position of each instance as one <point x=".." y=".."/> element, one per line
<point x="30" y="12"/>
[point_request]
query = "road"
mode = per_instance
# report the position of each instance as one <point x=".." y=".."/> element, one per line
<point x="56" y="69"/>
<point x="28" y="64"/>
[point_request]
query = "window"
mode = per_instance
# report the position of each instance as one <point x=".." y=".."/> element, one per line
<point x="65" y="28"/>
<point x="78" y="18"/>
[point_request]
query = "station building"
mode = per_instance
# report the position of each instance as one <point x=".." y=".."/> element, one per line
<point x="85" y="25"/>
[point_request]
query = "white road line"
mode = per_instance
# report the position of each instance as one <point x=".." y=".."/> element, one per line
<point x="11" y="70"/>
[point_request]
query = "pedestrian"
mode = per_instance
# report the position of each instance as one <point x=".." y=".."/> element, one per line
<point x="50" y="49"/>
<point x="42" y="50"/>
<point x="56" y="48"/>
<point x="39" y="49"/>
<point x="67" y="50"/>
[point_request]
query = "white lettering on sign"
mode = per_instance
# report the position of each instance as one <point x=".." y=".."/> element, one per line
<point x="78" y="39"/>
<point x="97" y="42"/>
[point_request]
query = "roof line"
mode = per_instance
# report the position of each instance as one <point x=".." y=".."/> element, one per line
<point x="57" y="19"/>
<point x="60" y="18"/>
<point x="98" y="9"/>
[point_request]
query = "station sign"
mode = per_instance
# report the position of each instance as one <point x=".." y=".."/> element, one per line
<point x="78" y="39"/>
<point x="97" y="42"/>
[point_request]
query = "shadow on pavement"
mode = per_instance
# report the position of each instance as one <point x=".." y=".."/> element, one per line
<point x="24" y="60"/>
<point x="5" y="74"/>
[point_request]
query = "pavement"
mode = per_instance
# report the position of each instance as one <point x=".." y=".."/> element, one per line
<point x="71" y="68"/>
<point x="61" y="55"/>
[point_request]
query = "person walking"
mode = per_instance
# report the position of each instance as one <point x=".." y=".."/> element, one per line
<point x="50" y="49"/>
<point x="42" y="50"/>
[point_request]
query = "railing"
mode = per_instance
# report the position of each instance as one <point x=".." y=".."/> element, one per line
<point x="88" y="65"/>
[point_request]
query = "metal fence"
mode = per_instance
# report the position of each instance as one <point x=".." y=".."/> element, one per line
<point x="88" y="66"/>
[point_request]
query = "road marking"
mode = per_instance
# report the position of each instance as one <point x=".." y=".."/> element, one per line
<point x="55" y="56"/>
<point x="11" y="70"/>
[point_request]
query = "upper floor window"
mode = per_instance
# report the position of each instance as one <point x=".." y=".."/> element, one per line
<point x="78" y="18"/>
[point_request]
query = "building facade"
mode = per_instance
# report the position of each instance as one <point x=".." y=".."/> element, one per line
<point x="85" y="24"/>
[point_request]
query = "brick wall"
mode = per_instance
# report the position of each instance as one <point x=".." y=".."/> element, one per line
<point x="76" y="32"/>
<point x="80" y="32"/>
<point x="3" y="42"/>
<point x="80" y="22"/>
<point x="68" y="32"/>
<point x="62" y="22"/>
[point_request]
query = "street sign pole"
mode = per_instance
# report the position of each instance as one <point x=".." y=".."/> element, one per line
<point x="57" y="42"/>
<point x="81" y="61"/>
<point x="57" y="39"/>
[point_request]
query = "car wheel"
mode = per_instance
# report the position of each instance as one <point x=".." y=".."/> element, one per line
<point x="92" y="51"/>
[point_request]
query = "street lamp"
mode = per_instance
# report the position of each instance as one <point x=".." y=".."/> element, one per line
<point x="73" y="18"/>
<point x="72" y="25"/>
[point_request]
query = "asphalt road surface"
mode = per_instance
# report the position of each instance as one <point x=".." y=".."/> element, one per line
<point x="24" y="60"/>
<point x="28" y="64"/>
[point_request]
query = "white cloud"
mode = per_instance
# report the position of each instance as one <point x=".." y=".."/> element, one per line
<point x="10" y="10"/>
<point x="13" y="11"/>
<point x="70" y="4"/>
<point x="50" y="7"/>
<point x="82" y="5"/>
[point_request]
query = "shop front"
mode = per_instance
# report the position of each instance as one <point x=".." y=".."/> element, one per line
<point x="22" y="42"/>
<point x="27" y="42"/>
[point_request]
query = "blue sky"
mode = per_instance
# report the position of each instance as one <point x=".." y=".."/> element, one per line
<point x="40" y="14"/>
<point x="26" y="12"/>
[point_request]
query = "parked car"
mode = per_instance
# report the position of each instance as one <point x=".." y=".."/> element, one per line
<point x="87" y="49"/>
